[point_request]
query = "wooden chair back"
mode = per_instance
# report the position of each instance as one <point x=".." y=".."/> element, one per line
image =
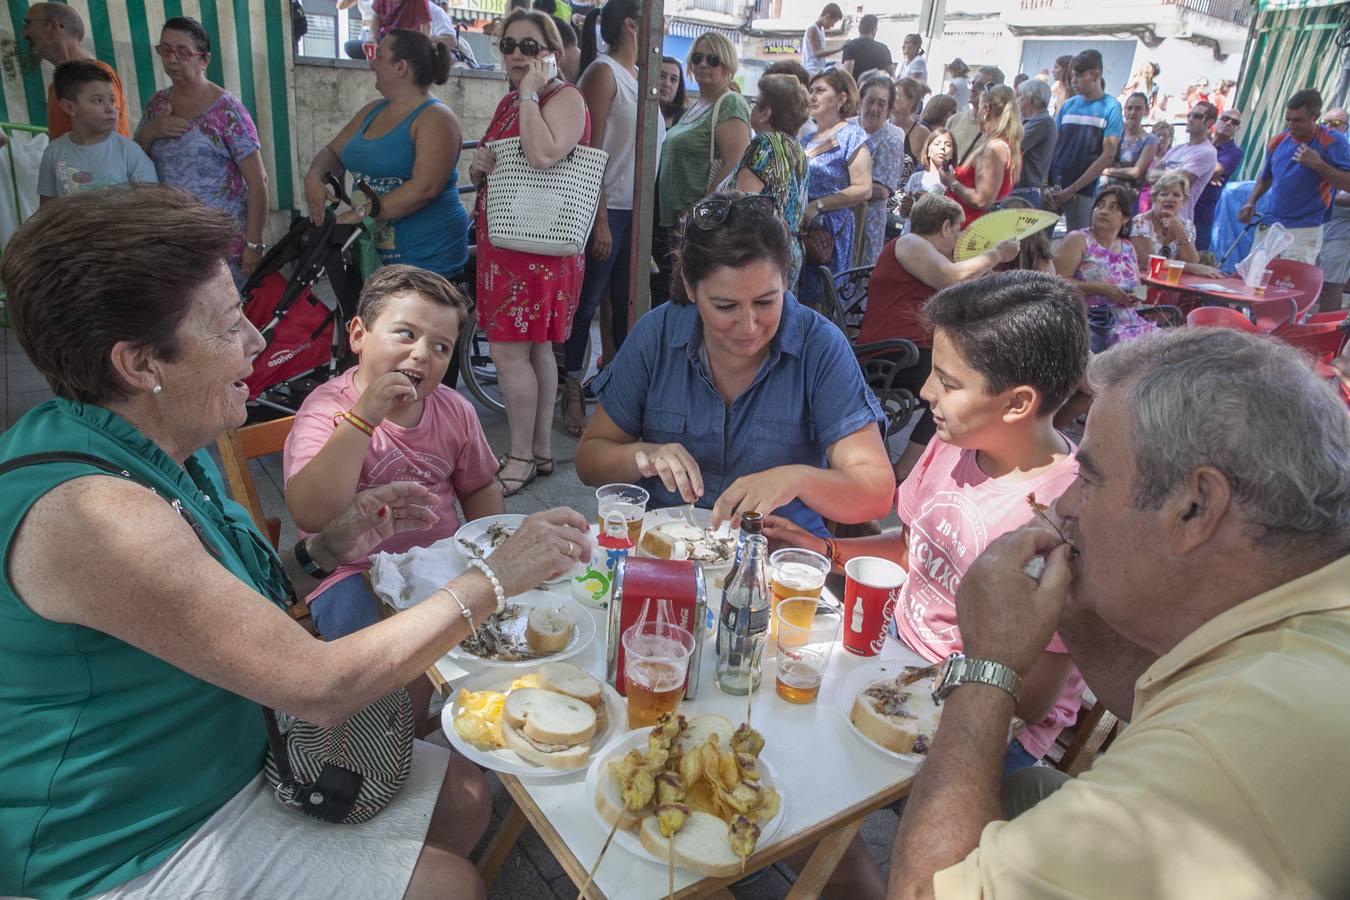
<point x="1091" y="734"/>
<point x="236" y="449"/>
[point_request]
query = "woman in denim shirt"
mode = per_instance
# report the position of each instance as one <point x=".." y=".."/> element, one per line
<point x="736" y="398"/>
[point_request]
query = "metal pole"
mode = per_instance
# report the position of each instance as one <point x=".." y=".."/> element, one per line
<point x="644" y="167"/>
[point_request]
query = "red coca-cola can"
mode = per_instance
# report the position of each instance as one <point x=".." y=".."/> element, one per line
<point x="871" y="588"/>
<point x="640" y="583"/>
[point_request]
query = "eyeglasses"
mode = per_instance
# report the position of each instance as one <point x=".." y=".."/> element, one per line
<point x="527" y="47"/>
<point x="1232" y="120"/>
<point x="182" y="53"/>
<point x="697" y="58"/>
<point x="709" y="214"/>
<point x="1334" y="123"/>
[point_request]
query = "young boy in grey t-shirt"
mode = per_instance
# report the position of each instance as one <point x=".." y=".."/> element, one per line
<point x="93" y="154"/>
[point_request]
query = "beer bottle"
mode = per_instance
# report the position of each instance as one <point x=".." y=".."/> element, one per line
<point x="751" y="523"/>
<point x="743" y="625"/>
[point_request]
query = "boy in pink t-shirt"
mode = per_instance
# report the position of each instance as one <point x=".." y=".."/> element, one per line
<point x="389" y="419"/>
<point x="1008" y="351"/>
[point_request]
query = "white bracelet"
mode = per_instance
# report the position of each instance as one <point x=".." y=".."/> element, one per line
<point x="464" y="610"/>
<point x="492" y="577"/>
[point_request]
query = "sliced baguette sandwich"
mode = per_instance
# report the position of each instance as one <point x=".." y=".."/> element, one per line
<point x="703" y="845"/>
<point x="547" y="728"/>
<point x="565" y="678"/>
<point x="548" y="629"/>
<point x="901" y="719"/>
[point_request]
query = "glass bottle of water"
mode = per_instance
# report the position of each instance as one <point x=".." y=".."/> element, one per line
<point x="743" y="625"/>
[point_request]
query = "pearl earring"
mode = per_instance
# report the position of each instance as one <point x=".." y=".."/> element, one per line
<point x="157" y="388"/>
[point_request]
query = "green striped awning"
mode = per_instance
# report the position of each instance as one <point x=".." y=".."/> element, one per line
<point x="250" y="59"/>
<point x="1292" y="47"/>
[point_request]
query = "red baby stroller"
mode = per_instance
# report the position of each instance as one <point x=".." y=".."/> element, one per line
<point x="306" y="340"/>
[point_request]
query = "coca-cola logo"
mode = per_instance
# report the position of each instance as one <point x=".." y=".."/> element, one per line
<point x="282" y="356"/>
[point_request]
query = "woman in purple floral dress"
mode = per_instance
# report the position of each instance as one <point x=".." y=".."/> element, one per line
<point x="202" y="140"/>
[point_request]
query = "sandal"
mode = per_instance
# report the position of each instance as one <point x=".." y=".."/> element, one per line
<point x="544" y="466"/>
<point x="573" y="408"/>
<point x="519" y="483"/>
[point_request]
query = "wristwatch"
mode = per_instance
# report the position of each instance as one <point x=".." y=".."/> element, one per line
<point x="312" y="568"/>
<point x="531" y="97"/>
<point x="820" y="207"/>
<point x="256" y="248"/>
<point x="958" y="669"/>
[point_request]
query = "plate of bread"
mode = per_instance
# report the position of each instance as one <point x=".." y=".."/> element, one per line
<point x="696" y="794"/>
<point x="540" y="723"/>
<point x="533" y="627"/>
<point x="890" y="706"/>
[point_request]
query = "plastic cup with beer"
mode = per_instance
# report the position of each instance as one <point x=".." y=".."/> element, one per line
<point x="871" y="588"/>
<point x="1174" y="269"/>
<point x="622" y="501"/>
<point x="794" y="573"/>
<point x="807" y="628"/>
<point x="656" y="663"/>
<point x="1260" y="286"/>
<point x="1157" y="267"/>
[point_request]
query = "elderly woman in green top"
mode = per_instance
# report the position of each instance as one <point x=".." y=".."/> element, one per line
<point x="703" y="148"/>
<point x="141" y="625"/>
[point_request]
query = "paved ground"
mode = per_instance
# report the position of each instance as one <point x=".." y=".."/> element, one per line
<point x="530" y="872"/>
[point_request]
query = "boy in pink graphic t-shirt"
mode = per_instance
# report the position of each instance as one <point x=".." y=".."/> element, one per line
<point x="389" y="419"/>
<point x="1008" y="351"/>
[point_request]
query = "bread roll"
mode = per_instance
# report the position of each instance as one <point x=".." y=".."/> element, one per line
<point x="548" y="629"/>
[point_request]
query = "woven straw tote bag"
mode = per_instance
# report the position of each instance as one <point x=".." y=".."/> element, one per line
<point x="545" y="211"/>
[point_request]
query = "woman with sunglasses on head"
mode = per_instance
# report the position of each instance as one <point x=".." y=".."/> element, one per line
<point x="202" y="139"/>
<point x="406" y="147"/>
<point x="703" y="147"/>
<point x="610" y="87"/>
<point x="735" y="397"/>
<point x="526" y="301"/>
<point x="839" y="176"/>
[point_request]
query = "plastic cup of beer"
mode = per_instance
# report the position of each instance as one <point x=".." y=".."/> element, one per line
<point x="1174" y="269"/>
<point x="807" y="631"/>
<point x="1260" y="286"/>
<point x="622" y="501"/>
<point x="795" y="573"/>
<point x="656" y="663"/>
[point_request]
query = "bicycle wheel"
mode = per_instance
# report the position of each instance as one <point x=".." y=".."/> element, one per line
<point x="476" y="367"/>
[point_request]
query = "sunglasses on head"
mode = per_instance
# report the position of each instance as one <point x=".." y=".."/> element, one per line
<point x="698" y="57"/>
<point x="527" y="47"/>
<point x="709" y="214"/>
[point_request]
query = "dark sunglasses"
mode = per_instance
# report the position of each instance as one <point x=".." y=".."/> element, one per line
<point x="1232" y="119"/>
<point x="528" y="47"/>
<point x="698" y="57"/>
<point x="1334" y="123"/>
<point x="709" y="214"/>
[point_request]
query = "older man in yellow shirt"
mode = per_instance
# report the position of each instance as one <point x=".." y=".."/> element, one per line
<point x="1204" y="592"/>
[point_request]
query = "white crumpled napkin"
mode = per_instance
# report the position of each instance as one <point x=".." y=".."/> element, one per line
<point x="405" y="579"/>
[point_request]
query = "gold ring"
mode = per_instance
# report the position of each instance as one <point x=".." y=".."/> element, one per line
<point x="570" y="547"/>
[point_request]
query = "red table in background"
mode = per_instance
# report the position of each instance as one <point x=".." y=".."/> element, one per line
<point x="1231" y="291"/>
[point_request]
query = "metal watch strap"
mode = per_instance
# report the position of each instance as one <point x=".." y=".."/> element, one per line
<point x="313" y="569"/>
<point x="981" y="671"/>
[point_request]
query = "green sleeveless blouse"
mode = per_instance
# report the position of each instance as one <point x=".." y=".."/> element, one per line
<point x="111" y="757"/>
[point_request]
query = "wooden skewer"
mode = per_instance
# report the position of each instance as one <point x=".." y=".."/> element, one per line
<point x="670" y="867"/>
<point x="581" y="894"/>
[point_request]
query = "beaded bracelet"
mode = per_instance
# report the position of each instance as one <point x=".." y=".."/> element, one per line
<point x="492" y="577"/>
<point x="464" y="610"/>
<point x="356" y="422"/>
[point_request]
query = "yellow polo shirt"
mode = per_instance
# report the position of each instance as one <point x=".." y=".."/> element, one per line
<point x="1232" y="780"/>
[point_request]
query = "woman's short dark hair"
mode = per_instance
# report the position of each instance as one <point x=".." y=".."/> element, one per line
<point x="790" y="67"/>
<point x="912" y="88"/>
<point x="938" y="110"/>
<point x="737" y="242"/>
<point x="390" y="281"/>
<point x="117" y="264"/>
<point x="1017" y="328"/>
<point x="877" y="78"/>
<point x="191" y="27"/>
<point x="958" y="67"/>
<point x="932" y="210"/>
<point x="785" y="99"/>
<point x="1125" y="199"/>
<point x="843" y="84"/>
<point x="428" y="60"/>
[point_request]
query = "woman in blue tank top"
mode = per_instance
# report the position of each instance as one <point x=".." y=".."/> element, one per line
<point x="406" y="146"/>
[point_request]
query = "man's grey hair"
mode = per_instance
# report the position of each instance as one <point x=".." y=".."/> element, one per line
<point x="64" y="16"/>
<point x="1035" y="91"/>
<point x="993" y="73"/>
<point x="1248" y="405"/>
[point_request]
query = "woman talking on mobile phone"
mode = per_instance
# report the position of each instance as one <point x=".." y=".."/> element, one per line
<point x="526" y="301"/>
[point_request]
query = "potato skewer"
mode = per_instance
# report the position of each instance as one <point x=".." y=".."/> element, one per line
<point x="638" y="789"/>
<point x="670" y="817"/>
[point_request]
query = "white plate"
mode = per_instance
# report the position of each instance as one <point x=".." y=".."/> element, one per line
<point x="476" y="533"/>
<point x="508" y="761"/>
<point x="628" y="840"/>
<point x="858" y="680"/>
<point x="582" y="634"/>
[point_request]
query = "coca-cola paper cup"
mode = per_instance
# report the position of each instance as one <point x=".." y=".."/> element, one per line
<point x="871" y="587"/>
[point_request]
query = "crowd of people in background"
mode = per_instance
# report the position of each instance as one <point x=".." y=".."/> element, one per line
<point x="736" y="392"/>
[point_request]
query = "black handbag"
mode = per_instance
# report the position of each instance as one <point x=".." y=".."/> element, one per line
<point x="344" y="774"/>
